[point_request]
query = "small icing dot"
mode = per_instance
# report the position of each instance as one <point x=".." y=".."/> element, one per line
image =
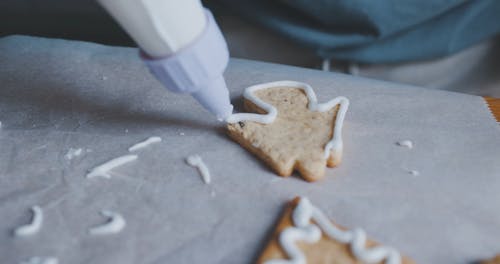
<point x="405" y="143"/>
<point x="414" y="172"/>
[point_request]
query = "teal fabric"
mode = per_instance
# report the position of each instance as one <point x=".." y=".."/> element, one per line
<point x="376" y="31"/>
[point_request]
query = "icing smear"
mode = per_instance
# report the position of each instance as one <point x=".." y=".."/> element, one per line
<point x="335" y="144"/>
<point x="305" y="230"/>
<point x="33" y="227"/>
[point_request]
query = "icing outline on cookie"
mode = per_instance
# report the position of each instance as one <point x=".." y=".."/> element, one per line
<point x="304" y="230"/>
<point x="335" y="144"/>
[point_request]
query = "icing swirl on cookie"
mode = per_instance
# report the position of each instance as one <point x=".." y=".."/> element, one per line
<point x="335" y="144"/>
<point x="304" y="230"/>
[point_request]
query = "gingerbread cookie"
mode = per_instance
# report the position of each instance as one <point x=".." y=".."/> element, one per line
<point x="291" y="130"/>
<point x="305" y="235"/>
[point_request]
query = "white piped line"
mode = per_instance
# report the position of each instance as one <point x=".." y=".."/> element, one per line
<point x="197" y="162"/>
<point x="335" y="145"/>
<point x="41" y="260"/>
<point x="310" y="232"/>
<point x="115" y="224"/>
<point x="33" y="227"/>
<point x="144" y="143"/>
<point x="405" y="143"/>
<point x="104" y="169"/>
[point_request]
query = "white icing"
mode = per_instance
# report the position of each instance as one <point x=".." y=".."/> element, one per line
<point x="105" y="169"/>
<point x="33" y="227"/>
<point x="405" y="143"/>
<point x="115" y="224"/>
<point x="73" y="152"/>
<point x="144" y="143"/>
<point x="305" y="230"/>
<point x="414" y="172"/>
<point x="335" y="144"/>
<point x="197" y="162"/>
<point x="41" y="260"/>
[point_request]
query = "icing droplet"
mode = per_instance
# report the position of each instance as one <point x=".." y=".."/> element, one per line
<point x="104" y="170"/>
<point x="115" y="224"/>
<point x="144" y="143"/>
<point x="33" y="227"/>
<point x="414" y="172"/>
<point x="405" y="143"/>
<point x="197" y="162"/>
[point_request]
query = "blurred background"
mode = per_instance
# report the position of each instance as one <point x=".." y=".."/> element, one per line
<point x="440" y="44"/>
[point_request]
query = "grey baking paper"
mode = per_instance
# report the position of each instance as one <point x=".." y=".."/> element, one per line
<point x="56" y="95"/>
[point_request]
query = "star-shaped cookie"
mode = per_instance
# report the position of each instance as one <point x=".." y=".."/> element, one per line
<point x="291" y="130"/>
<point x="305" y="235"/>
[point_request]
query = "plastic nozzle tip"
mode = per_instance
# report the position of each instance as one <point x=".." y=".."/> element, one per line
<point x="214" y="97"/>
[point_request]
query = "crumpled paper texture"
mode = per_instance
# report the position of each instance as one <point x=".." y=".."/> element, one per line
<point x="57" y="94"/>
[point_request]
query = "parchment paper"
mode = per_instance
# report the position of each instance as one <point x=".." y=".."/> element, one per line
<point x="56" y="95"/>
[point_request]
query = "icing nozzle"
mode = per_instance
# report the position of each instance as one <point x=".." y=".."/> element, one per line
<point x="215" y="98"/>
<point x="197" y="69"/>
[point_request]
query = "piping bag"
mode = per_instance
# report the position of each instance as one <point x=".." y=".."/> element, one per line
<point x="181" y="45"/>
